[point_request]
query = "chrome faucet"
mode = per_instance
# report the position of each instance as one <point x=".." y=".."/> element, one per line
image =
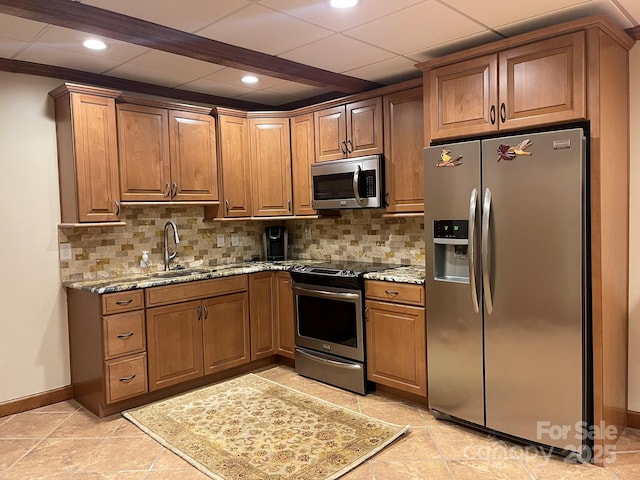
<point x="167" y="256"/>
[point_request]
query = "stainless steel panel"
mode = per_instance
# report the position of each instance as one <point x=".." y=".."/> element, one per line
<point x="533" y="336"/>
<point x="454" y="329"/>
<point x="332" y="370"/>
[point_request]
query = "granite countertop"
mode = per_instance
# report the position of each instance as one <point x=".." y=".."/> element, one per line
<point x="400" y="274"/>
<point x="403" y="274"/>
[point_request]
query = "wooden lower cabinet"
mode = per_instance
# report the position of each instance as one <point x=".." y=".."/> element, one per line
<point x="107" y="344"/>
<point x="206" y="335"/>
<point x="262" y="318"/>
<point x="396" y="340"/>
<point x="285" y="315"/>
<point x="174" y="339"/>
<point x="225" y="328"/>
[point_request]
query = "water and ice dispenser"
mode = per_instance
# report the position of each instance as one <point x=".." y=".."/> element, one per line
<point x="450" y="244"/>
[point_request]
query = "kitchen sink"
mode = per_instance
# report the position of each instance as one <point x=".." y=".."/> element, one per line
<point x="176" y="273"/>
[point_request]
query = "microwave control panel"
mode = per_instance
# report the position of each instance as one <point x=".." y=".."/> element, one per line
<point x="367" y="183"/>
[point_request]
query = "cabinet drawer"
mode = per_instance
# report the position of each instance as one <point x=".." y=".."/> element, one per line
<point x="123" y="334"/>
<point x="397" y="292"/>
<point x="122" y="301"/>
<point x="126" y="377"/>
<point x="183" y="292"/>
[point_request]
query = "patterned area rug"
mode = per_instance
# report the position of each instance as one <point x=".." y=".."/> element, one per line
<point x="252" y="428"/>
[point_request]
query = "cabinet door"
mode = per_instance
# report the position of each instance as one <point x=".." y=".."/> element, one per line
<point x="174" y="344"/>
<point x="143" y="144"/>
<point x="96" y="155"/>
<point x="270" y="166"/>
<point x="226" y="332"/>
<point x="543" y="82"/>
<point x="235" y="165"/>
<point x="403" y="143"/>
<point x="364" y="127"/>
<point x="464" y="98"/>
<point x="302" y="156"/>
<point x="330" y="132"/>
<point x="396" y="346"/>
<point x="284" y="310"/>
<point x="261" y="320"/>
<point x="194" y="166"/>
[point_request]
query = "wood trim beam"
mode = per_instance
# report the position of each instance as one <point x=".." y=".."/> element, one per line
<point x="35" y="401"/>
<point x="78" y="76"/>
<point x="97" y="21"/>
<point x="634" y="32"/>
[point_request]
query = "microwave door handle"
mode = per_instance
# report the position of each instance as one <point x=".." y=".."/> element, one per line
<point x="356" y="184"/>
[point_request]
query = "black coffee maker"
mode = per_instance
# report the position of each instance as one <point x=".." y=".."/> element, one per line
<point x="275" y="243"/>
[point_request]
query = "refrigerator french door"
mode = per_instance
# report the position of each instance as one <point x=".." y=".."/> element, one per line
<point x="506" y="286"/>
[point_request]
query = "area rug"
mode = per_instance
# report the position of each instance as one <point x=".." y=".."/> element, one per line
<point x="251" y="428"/>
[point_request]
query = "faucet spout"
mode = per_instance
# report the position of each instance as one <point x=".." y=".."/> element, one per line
<point x="170" y="256"/>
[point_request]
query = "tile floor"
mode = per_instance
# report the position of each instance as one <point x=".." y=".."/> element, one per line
<point x="64" y="441"/>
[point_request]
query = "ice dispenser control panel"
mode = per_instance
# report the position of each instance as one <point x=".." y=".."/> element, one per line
<point x="450" y="244"/>
<point x="451" y="229"/>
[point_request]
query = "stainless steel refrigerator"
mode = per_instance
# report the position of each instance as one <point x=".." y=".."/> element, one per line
<point x="507" y="287"/>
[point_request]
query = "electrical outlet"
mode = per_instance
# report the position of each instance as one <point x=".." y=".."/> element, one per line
<point x="235" y="241"/>
<point x="221" y="240"/>
<point x="65" y="251"/>
<point x="307" y="233"/>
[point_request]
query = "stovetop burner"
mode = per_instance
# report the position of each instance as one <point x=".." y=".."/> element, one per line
<point x="335" y="274"/>
<point x="340" y="269"/>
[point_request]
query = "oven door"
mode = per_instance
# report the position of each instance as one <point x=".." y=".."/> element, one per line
<point x="329" y="319"/>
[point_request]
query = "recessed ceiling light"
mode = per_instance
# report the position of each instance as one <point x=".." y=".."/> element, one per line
<point x="343" y="3"/>
<point x="250" y="79"/>
<point x="94" y="44"/>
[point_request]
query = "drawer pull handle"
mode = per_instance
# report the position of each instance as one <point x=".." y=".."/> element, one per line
<point x="125" y="335"/>
<point x="391" y="293"/>
<point x="124" y="302"/>
<point x="127" y="379"/>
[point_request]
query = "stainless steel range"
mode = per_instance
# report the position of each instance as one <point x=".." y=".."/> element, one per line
<point x="329" y="308"/>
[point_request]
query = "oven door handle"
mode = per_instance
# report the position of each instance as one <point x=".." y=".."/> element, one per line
<point x="325" y="294"/>
<point x="334" y="363"/>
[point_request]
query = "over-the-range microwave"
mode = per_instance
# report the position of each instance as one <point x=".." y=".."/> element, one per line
<point x="350" y="183"/>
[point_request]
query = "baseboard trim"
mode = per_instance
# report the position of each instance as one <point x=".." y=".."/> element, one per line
<point x="633" y="419"/>
<point x="36" y="400"/>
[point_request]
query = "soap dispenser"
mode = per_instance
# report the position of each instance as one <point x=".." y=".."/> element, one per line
<point x="145" y="263"/>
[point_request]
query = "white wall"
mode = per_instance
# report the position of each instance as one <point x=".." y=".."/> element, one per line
<point x="634" y="233"/>
<point x="34" y="352"/>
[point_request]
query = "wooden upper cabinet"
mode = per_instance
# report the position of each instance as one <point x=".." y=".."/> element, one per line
<point x="166" y="154"/>
<point x="364" y="127"/>
<point x="543" y="82"/>
<point x="194" y="166"/>
<point x="403" y="144"/>
<point x="270" y="146"/>
<point x="143" y="144"/>
<point x="235" y="165"/>
<point x="464" y="97"/>
<point x="531" y="85"/>
<point x="302" y="156"/>
<point x="350" y="130"/>
<point x="87" y="153"/>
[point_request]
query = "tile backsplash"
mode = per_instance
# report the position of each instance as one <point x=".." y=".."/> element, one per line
<point x="355" y="235"/>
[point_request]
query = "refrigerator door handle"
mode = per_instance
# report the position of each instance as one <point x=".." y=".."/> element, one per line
<point x="473" y="202"/>
<point x="486" y="274"/>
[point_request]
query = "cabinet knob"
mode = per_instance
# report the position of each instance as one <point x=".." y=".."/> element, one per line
<point x="343" y="147"/>
<point x="117" y="208"/>
<point x="199" y="312"/>
<point x="168" y="187"/>
<point x="125" y="335"/>
<point x="206" y="312"/>
<point x="124" y="302"/>
<point x="503" y="112"/>
<point x="175" y="190"/>
<point x="289" y="205"/>
<point x="227" y="205"/>
<point x="349" y="149"/>
<point x="127" y="379"/>
<point x="492" y="114"/>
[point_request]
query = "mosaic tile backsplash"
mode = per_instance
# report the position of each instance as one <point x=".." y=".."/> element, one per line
<point x="356" y="235"/>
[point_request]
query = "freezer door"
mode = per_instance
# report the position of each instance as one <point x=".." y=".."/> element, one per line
<point x="534" y="295"/>
<point x="454" y="328"/>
